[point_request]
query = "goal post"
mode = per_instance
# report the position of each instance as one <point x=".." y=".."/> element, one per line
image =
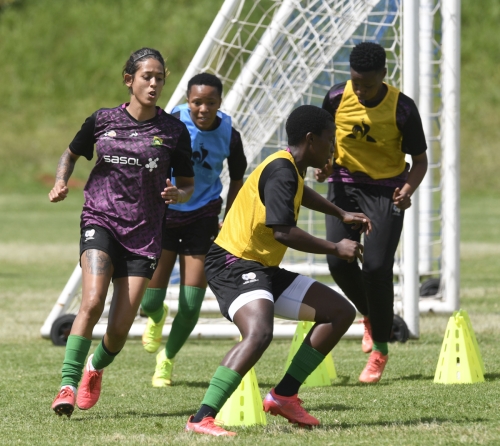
<point x="273" y="55"/>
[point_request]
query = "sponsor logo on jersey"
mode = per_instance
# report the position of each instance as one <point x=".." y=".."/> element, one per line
<point x="89" y="235"/>
<point x="134" y="134"/>
<point x="152" y="164"/>
<point x="113" y="159"/>
<point x="157" y="141"/>
<point x="249" y="278"/>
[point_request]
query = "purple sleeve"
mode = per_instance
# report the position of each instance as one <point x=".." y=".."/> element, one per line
<point x="333" y="97"/>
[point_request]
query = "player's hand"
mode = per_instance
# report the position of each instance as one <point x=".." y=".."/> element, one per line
<point x="59" y="192"/>
<point x="170" y="194"/>
<point x="358" y="221"/>
<point x="401" y="199"/>
<point x="322" y="174"/>
<point x="349" y="250"/>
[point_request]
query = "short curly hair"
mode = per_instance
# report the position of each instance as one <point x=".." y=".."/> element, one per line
<point x="205" y="79"/>
<point x="305" y="119"/>
<point x="367" y="56"/>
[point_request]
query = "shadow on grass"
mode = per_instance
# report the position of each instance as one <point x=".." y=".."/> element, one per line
<point x="200" y="384"/>
<point x="410" y="423"/>
<point x="80" y="416"/>
<point x="416" y="377"/>
<point x="492" y="376"/>
<point x="344" y="380"/>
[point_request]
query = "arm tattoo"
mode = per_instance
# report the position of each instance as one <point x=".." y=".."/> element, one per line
<point x="65" y="166"/>
<point x="98" y="263"/>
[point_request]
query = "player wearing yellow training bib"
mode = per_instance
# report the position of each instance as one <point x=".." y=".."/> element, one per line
<point x="242" y="269"/>
<point x="376" y="127"/>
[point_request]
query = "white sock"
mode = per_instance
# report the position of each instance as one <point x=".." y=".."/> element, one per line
<point x="70" y="387"/>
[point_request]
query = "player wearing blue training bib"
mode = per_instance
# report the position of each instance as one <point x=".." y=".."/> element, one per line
<point x="138" y="148"/>
<point x="190" y="228"/>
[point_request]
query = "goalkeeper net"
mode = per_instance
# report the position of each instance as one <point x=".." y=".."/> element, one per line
<point x="274" y="55"/>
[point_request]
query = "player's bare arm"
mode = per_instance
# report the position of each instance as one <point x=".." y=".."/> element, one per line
<point x="312" y="200"/>
<point x="234" y="187"/>
<point x="64" y="170"/>
<point x="298" y="239"/>
<point x="181" y="192"/>
<point x="402" y="197"/>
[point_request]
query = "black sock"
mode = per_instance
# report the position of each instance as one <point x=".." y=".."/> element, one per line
<point x="205" y="411"/>
<point x="288" y="386"/>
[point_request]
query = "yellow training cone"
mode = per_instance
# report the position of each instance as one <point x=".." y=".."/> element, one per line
<point x="460" y="360"/>
<point x="244" y="407"/>
<point x="325" y="372"/>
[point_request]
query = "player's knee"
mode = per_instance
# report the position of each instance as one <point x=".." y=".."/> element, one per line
<point x="92" y="306"/>
<point x="259" y="341"/>
<point x="349" y="312"/>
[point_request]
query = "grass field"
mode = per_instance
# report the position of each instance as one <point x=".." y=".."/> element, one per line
<point x="38" y="249"/>
<point x="60" y="62"/>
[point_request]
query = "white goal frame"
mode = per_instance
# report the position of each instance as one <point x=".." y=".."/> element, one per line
<point x="277" y="77"/>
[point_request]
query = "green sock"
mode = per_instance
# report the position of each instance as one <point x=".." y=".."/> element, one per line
<point x="222" y="385"/>
<point x="77" y="349"/>
<point x="304" y="362"/>
<point x="152" y="303"/>
<point x="190" y="300"/>
<point x="102" y="356"/>
<point x="382" y="347"/>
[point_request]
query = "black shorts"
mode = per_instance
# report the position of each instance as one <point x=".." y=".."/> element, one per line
<point x="192" y="239"/>
<point x="125" y="263"/>
<point x="228" y="281"/>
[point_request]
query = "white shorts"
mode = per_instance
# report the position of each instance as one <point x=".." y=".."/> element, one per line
<point x="287" y="306"/>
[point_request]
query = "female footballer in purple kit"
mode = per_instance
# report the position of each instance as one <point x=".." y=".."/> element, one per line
<point x="138" y="147"/>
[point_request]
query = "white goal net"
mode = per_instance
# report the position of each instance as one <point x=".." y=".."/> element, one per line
<point x="273" y="55"/>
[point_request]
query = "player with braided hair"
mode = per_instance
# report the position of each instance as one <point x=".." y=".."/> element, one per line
<point x="376" y="127"/>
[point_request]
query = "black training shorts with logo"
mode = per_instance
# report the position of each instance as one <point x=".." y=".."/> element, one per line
<point x="125" y="263"/>
<point x="229" y="277"/>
